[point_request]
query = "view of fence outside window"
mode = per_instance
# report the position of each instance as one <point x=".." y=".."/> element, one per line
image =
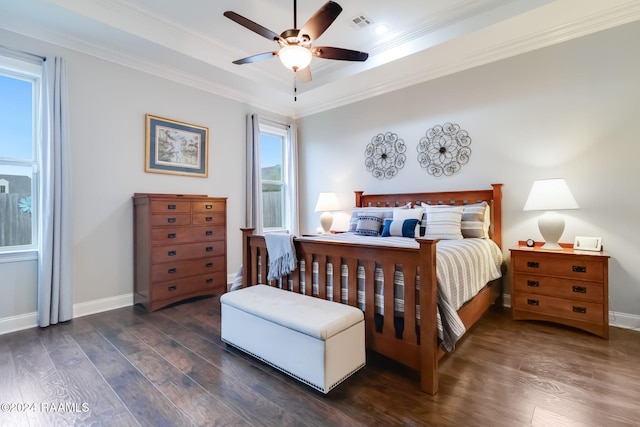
<point x="272" y="174"/>
<point x="19" y="101"/>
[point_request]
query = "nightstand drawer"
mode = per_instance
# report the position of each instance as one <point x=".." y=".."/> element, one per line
<point x="557" y="287"/>
<point x="581" y="268"/>
<point x="582" y="310"/>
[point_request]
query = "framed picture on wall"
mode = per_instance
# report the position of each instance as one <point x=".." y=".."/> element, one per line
<point x="177" y="148"/>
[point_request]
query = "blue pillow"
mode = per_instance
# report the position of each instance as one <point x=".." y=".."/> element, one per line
<point x="400" y="228"/>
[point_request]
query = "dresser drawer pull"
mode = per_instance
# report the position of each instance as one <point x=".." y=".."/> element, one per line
<point x="171" y="236"/>
<point x="533" y="302"/>
<point x="208" y="219"/>
<point x="533" y="264"/>
<point x="171" y="220"/>
<point x="208" y="233"/>
<point x="172" y="288"/>
<point x="171" y="207"/>
<point x="580" y="289"/>
<point x="209" y="248"/>
<point x="209" y="265"/>
<point x="581" y="310"/>
<point x="171" y="253"/>
<point x="208" y="207"/>
<point x="533" y="283"/>
<point x="209" y="280"/>
<point x="171" y="270"/>
<point x="579" y="269"/>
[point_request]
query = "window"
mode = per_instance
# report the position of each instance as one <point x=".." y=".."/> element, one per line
<point x="275" y="174"/>
<point x="19" y="126"/>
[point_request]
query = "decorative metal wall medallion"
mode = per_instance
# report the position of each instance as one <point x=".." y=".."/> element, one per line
<point x="384" y="155"/>
<point x="444" y="149"/>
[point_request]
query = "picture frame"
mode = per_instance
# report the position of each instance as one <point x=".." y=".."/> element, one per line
<point x="584" y="243"/>
<point x="178" y="148"/>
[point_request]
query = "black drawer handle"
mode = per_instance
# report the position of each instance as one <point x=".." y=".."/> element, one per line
<point x="208" y="219"/>
<point x="533" y="264"/>
<point x="208" y="207"/>
<point x="580" y="289"/>
<point x="171" y="207"/>
<point x="171" y="253"/>
<point x="171" y="236"/>
<point x="209" y="280"/>
<point x="208" y="233"/>
<point x="172" y="288"/>
<point x="533" y="283"/>
<point x="581" y="310"/>
<point x="209" y="248"/>
<point x="209" y="265"/>
<point x="579" y="269"/>
<point x="533" y="302"/>
<point x="171" y="270"/>
<point x="171" y="220"/>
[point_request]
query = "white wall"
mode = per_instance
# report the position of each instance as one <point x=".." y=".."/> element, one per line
<point x="569" y="110"/>
<point x="107" y="107"/>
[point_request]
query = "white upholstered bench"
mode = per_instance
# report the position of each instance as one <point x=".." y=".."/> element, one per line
<point x="318" y="342"/>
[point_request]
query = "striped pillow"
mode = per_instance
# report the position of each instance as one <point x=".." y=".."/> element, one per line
<point x="476" y="220"/>
<point x="369" y="224"/>
<point x="443" y="222"/>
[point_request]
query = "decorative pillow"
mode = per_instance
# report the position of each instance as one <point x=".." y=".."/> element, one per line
<point x="476" y="220"/>
<point x="416" y="213"/>
<point x="385" y="211"/>
<point x="369" y="224"/>
<point x="443" y="222"/>
<point x="400" y="227"/>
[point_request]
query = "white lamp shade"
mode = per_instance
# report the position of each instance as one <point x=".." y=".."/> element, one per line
<point x="327" y="202"/>
<point x="295" y="57"/>
<point x="550" y="195"/>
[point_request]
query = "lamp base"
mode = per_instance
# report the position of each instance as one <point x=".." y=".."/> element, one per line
<point x="326" y="220"/>
<point x="551" y="226"/>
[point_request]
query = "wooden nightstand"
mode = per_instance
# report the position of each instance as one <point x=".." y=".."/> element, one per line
<point x="568" y="287"/>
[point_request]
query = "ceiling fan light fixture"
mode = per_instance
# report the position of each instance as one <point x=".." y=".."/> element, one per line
<point x="295" y="57"/>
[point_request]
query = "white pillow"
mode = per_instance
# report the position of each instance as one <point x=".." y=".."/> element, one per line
<point x="383" y="211"/>
<point x="415" y="213"/>
<point x="443" y="222"/>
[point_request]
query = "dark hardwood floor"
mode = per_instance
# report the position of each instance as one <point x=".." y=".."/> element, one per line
<point x="169" y="368"/>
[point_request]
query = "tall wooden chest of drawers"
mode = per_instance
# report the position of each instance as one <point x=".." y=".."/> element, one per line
<point x="179" y="247"/>
<point x="568" y="287"/>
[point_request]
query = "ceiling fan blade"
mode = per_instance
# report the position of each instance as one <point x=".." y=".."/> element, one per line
<point x="328" y="52"/>
<point x="304" y="75"/>
<point x="249" y="24"/>
<point x="320" y="21"/>
<point x="255" y="58"/>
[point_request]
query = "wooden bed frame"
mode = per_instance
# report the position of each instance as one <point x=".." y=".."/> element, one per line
<point x="420" y="352"/>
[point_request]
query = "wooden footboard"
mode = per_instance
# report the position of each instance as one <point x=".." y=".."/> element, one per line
<point x="404" y="349"/>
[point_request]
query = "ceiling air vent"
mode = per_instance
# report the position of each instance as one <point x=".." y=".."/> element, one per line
<point x="360" y="21"/>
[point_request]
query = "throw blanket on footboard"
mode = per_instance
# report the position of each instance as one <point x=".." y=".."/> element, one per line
<point x="463" y="268"/>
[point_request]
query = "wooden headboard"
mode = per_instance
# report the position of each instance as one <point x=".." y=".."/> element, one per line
<point x="493" y="197"/>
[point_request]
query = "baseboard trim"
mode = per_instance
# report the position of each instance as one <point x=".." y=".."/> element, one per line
<point x="30" y="320"/>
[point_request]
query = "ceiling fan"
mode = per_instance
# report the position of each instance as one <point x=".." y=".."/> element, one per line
<point x="295" y="50"/>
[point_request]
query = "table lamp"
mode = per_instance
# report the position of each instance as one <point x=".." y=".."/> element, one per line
<point x="327" y="202"/>
<point x="550" y="195"/>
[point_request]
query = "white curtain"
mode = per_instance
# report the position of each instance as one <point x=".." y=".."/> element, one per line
<point x="55" y="287"/>
<point x="292" y="180"/>
<point x="254" y="189"/>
